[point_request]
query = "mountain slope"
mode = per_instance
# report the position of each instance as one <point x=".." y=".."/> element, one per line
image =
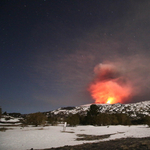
<point x="133" y="109"/>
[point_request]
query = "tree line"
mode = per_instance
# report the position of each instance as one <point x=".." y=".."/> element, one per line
<point x="93" y="117"/>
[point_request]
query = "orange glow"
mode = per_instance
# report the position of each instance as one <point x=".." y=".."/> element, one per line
<point x="109" y="92"/>
<point x="110" y="100"/>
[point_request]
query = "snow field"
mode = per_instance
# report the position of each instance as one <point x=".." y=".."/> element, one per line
<point x="18" y="138"/>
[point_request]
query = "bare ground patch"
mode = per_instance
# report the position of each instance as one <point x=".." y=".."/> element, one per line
<point x="4" y="129"/>
<point x="118" y="144"/>
<point x="67" y="131"/>
<point x="86" y="137"/>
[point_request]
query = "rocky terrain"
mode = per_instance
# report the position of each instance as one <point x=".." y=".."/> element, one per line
<point x="132" y="109"/>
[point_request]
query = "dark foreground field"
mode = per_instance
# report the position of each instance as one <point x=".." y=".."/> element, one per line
<point x="119" y="144"/>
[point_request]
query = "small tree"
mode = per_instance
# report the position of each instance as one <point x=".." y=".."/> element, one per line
<point x="103" y="119"/>
<point x="73" y="120"/>
<point x="123" y="119"/>
<point x="36" y="119"/>
<point x="53" y="120"/>
<point x="114" y="120"/>
<point x="92" y="114"/>
<point x="94" y="110"/>
<point x="5" y="113"/>
<point x="0" y="113"/>
<point x="147" y="120"/>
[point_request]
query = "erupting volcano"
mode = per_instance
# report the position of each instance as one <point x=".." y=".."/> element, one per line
<point x="109" y="85"/>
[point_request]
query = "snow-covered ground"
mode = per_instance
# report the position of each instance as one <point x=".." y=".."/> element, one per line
<point x="18" y="138"/>
<point x="10" y="120"/>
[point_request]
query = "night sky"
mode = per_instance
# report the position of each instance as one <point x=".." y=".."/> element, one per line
<point x="49" y="49"/>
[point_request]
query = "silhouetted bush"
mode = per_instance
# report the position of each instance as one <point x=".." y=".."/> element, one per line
<point x="53" y="120"/>
<point x="103" y="119"/>
<point x="91" y="116"/>
<point x="123" y="119"/>
<point x="73" y="120"/>
<point x="36" y="119"/>
<point x="147" y="120"/>
<point x="15" y="114"/>
<point x="0" y="112"/>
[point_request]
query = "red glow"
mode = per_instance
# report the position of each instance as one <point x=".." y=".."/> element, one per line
<point x="109" y="92"/>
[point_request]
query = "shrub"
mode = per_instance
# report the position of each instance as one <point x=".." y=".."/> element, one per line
<point x="92" y="115"/>
<point x="8" y="118"/>
<point x="53" y="120"/>
<point x="147" y="120"/>
<point x="3" y="129"/>
<point x="36" y="119"/>
<point x="0" y="112"/>
<point x="73" y="120"/>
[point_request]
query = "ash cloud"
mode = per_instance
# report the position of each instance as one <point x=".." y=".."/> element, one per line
<point x="110" y="85"/>
<point x="122" y="46"/>
<point x="106" y="72"/>
<point x="136" y="68"/>
<point x="129" y="71"/>
<point x="125" y="45"/>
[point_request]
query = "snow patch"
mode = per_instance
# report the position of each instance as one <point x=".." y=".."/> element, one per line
<point x="52" y="136"/>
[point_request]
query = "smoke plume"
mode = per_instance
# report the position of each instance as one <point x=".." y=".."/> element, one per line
<point x="121" y="80"/>
<point x="110" y="84"/>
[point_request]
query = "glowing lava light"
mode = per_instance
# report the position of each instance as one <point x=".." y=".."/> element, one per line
<point x="109" y="85"/>
<point x="110" y="100"/>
